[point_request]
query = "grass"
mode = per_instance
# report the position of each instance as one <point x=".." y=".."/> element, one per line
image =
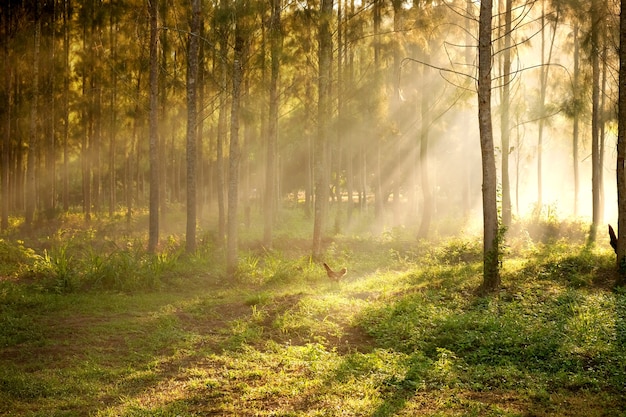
<point x="114" y="332"/>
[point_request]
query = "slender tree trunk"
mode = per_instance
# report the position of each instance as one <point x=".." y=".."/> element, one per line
<point x="595" y="118"/>
<point x="6" y="142"/>
<point x="192" y="88"/>
<point x="235" y="156"/>
<point x="167" y="117"/>
<point x="222" y="126"/>
<point x="396" y="104"/>
<point x="309" y="164"/>
<point x="31" y="190"/>
<point x="347" y="71"/>
<point x="272" y="134"/>
<point x="545" y="69"/>
<point x="49" y="178"/>
<point x="202" y="172"/>
<point x="491" y="275"/>
<point x="602" y="133"/>
<point x="504" y="118"/>
<point x="427" y="208"/>
<point x="337" y="153"/>
<point x="153" y="238"/>
<point x="323" y="118"/>
<point x="66" y="111"/>
<point x="575" y="129"/>
<point x="113" y="26"/>
<point x="95" y="144"/>
<point x="219" y="167"/>
<point x="467" y="167"/>
<point x="621" y="155"/>
<point x="542" y="89"/>
<point x="378" y="184"/>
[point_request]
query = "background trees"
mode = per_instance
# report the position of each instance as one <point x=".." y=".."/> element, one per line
<point x="341" y="95"/>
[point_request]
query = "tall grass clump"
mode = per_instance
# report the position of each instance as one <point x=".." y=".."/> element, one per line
<point x="68" y="268"/>
<point x="272" y="267"/>
<point x="15" y="258"/>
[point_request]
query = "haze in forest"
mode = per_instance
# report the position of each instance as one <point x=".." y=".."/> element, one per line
<point x="76" y="89"/>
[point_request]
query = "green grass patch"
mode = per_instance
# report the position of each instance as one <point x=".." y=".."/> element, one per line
<point x="112" y="331"/>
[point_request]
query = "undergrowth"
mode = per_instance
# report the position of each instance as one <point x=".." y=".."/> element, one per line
<point x="95" y="325"/>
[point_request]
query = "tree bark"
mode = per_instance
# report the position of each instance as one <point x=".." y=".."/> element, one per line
<point x="222" y="123"/>
<point x="595" y="119"/>
<point x="575" y="128"/>
<point x="113" y="117"/>
<point x="192" y="87"/>
<point x="621" y="155"/>
<point x="491" y="274"/>
<point x="323" y="122"/>
<point x="427" y="197"/>
<point x="272" y="134"/>
<point x="153" y="232"/>
<point x="49" y="178"/>
<point x="545" y="69"/>
<point x="504" y="117"/>
<point x="66" y="111"/>
<point x="6" y="141"/>
<point x="235" y="155"/>
<point x="31" y="161"/>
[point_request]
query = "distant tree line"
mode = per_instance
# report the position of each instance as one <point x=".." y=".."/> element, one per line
<point x="226" y="106"/>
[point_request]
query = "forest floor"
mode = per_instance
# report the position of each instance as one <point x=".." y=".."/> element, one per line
<point x="404" y="334"/>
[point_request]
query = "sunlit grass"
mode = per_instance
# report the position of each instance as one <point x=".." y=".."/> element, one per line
<point x="404" y="333"/>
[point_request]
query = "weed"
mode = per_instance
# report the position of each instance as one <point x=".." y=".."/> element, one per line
<point x="57" y="266"/>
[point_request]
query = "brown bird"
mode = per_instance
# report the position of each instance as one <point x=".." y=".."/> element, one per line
<point x="613" y="238"/>
<point x="335" y="275"/>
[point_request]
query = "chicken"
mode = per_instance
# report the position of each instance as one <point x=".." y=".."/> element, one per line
<point x="613" y="238"/>
<point x="335" y="275"/>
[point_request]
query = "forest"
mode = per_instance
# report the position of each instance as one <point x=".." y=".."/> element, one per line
<point x="312" y="208"/>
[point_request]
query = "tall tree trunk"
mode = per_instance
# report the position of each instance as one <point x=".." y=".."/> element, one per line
<point x="87" y="111"/>
<point x="575" y="129"/>
<point x="621" y="155"/>
<point x="595" y="118"/>
<point x="169" y="118"/>
<point x="31" y="190"/>
<point x="602" y="133"/>
<point x="66" y="111"/>
<point x="192" y="87"/>
<point x="222" y="122"/>
<point x="95" y="145"/>
<point x="467" y="166"/>
<point x="504" y="118"/>
<point x="323" y="118"/>
<point x="346" y="85"/>
<point x="49" y="179"/>
<point x="153" y="228"/>
<point x="378" y="184"/>
<point x="219" y="166"/>
<point x="545" y="69"/>
<point x="396" y="103"/>
<point x="113" y="27"/>
<point x="202" y="172"/>
<point x="235" y="155"/>
<point x="272" y="134"/>
<point x="427" y="208"/>
<point x="337" y="149"/>
<point x="491" y="273"/>
<point x="5" y="147"/>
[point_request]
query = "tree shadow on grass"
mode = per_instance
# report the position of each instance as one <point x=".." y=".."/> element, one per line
<point x="529" y="336"/>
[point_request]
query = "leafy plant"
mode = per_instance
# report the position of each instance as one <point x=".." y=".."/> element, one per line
<point x="15" y="258"/>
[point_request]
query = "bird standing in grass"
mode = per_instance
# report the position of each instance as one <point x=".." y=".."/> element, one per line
<point x="613" y="238"/>
<point x="335" y="275"/>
